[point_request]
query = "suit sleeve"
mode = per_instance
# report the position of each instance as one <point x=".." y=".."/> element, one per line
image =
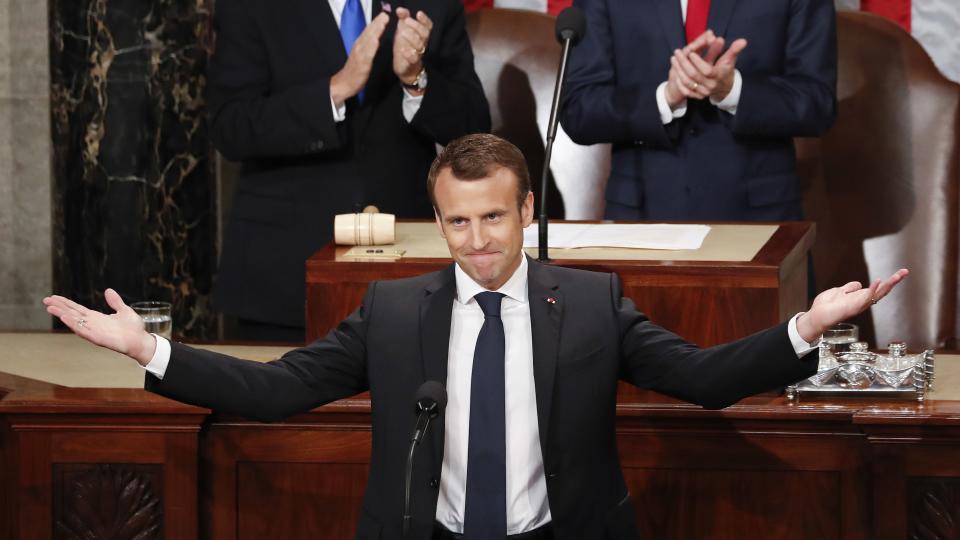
<point x="454" y="104"/>
<point x="657" y="359"/>
<point x="801" y="100"/>
<point x="596" y="108"/>
<point x="328" y="369"/>
<point x="246" y="119"/>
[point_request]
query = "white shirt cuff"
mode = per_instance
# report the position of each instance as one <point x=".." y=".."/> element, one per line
<point x="411" y="104"/>
<point x="800" y="346"/>
<point x="666" y="115"/>
<point x="339" y="113"/>
<point x="730" y="102"/>
<point x="161" y="357"/>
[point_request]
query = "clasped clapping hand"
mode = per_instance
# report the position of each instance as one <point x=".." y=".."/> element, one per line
<point x="693" y="76"/>
<point x="410" y="44"/>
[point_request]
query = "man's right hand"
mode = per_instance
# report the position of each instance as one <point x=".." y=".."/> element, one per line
<point x="679" y="86"/>
<point x="693" y="76"/>
<point x="121" y="332"/>
<point x="348" y="82"/>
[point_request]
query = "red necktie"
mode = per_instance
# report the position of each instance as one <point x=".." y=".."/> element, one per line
<point x="697" y="11"/>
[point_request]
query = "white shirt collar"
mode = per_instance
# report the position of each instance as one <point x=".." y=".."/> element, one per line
<point x="515" y="287"/>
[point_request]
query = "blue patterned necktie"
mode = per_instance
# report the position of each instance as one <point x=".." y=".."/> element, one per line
<point x="485" y="512"/>
<point x="352" y="23"/>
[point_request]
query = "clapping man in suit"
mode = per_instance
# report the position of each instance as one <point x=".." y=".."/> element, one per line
<point x="701" y="100"/>
<point x="330" y="105"/>
<point x="530" y="355"/>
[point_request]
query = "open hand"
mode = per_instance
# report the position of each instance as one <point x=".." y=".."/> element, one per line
<point x="840" y="303"/>
<point x="121" y="331"/>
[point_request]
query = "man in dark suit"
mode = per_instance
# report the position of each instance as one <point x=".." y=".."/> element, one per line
<point x="530" y="355"/>
<point x="700" y="133"/>
<point x="330" y="105"/>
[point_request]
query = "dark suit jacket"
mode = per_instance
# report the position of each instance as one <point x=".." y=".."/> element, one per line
<point x="270" y="108"/>
<point x="583" y="344"/>
<point x="709" y="164"/>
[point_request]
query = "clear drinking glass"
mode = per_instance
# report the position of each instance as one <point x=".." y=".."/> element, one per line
<point x="835" y="341"/>
<point x="156" y="317"/>
<point x="839" y="337"/>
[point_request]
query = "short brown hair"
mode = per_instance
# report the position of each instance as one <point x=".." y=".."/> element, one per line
<point x="477" y="156"/>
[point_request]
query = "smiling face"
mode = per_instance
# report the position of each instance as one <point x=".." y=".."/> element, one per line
<point x="482" y="224"/>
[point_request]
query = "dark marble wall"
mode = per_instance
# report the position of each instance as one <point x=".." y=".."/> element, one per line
<point x="134" y="190"/>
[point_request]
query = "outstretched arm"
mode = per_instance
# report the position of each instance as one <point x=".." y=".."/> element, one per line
<point x="328" y="369"/>
<point x="718" y="376"/>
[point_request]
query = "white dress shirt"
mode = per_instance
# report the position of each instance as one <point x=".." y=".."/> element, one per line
<point x="527" y="504"/>
<point x="410" y="104"/>
<point x="728" y="103"/>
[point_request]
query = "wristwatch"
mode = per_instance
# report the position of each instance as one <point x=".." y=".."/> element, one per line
<point x="418" y="84"/>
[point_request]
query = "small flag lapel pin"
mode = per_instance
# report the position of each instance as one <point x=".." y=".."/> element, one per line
<point x="551" y="300"/>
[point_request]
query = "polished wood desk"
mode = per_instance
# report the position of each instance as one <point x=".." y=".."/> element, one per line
<point x="706" y="301"/>
<point x="110" y="459"/>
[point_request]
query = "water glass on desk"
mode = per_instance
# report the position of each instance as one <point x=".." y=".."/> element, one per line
<point x="839" y="337"/>
<point x="156" y="317"/>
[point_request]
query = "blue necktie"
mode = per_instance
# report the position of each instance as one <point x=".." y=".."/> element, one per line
<point x="485" y="512"/>
<point x="352" y="24"/>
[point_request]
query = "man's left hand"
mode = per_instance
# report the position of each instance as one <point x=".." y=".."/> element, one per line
<point x="410" y="43"/>
<point x="840" y="303"/>
<point x="713" y="71"/>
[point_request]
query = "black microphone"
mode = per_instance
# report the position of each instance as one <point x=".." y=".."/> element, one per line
<point x="431" y="399"/>
<point x="571" y="26"/>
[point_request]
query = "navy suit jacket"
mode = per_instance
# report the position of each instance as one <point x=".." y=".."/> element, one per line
<point x="584" y="341"/>
<point x="269" y="93"/>
<point x="709" y="164"/>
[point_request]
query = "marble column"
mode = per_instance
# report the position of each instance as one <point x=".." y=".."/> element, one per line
<point x="25" y="264"/>
<point x="134" y="189"/>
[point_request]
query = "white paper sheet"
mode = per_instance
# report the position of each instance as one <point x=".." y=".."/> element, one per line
<point x="635" y="235"/>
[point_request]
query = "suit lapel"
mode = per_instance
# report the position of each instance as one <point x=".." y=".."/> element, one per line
<point x="319" y="19"/>
<point x="719" y="17"/>
<point x="546" y="315"/>
<point x="436" y="310"/>
<point x="671" y="19"/>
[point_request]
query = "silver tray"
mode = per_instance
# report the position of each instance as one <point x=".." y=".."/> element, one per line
<point x="922" y="384"/>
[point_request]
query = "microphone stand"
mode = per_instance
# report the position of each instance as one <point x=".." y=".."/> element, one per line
<point x="423" y="422"/>
<point x="551" y="135"/>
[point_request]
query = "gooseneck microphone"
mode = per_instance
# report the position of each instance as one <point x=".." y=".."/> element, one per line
<point x="430" y="400"/>
<point x="571" y="26"/>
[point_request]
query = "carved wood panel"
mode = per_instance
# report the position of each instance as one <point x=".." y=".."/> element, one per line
<point x="933" y="509"/>
<point x="107" y="500"/>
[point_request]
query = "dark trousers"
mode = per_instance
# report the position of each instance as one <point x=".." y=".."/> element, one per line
<point x="541" y="533"/>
